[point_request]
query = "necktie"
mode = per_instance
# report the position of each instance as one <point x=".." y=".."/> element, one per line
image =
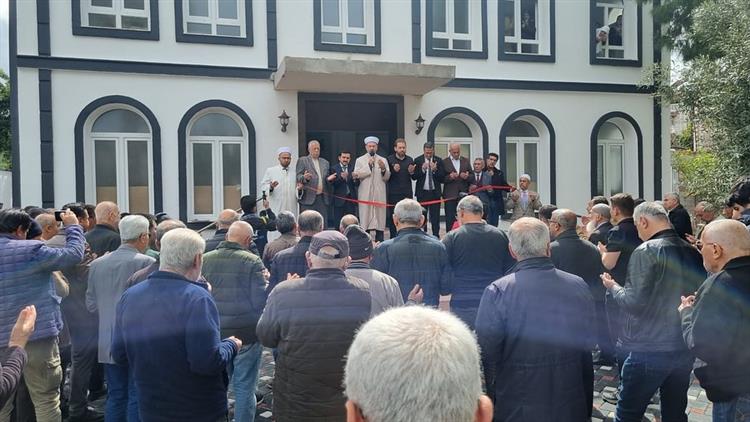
<point x="430" y="185"/>
<point x="478" y="176"/>
<point x="343" y="170"/>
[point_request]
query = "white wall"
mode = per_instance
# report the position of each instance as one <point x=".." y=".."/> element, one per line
<point x="28" y="129"/>
<point x="6" y="189"/>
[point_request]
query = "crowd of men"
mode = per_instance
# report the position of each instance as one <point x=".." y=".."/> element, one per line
<point x="172" y="322"/>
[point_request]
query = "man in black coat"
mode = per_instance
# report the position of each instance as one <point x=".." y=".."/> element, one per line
<point x="678" y="215"/>
<point x="429" y="173"/>
<point x="104" y="237"/>
<point x="399" y="185"/>
<point x="344" y="186"/>
<point x="497" y="203"/>
<point x="223" y="221"/>
<point x="599" y="219"/>
<point x="292" y="261"/>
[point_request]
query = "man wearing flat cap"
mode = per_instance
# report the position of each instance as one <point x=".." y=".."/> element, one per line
<point x="372" y="171"/>
<point x="279" y="183"/>
<point x="311" y="322"/>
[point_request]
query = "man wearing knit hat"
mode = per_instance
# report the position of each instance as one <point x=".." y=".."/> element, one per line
<point x="373" y="173"/>
<point x="383" y="288"/>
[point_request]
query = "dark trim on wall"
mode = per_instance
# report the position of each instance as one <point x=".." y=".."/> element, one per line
<point x="182" y="163"/>
<point x="594" y="142"/>
<point x="155" y="145"/>
<point x="552" y="147"/>
<point x="152" y="34"/>
<point x="657" y="115"/>
<point x="547" y="86"/>
<point x="319" y="45"/>
<point x="46" y="147"/>
<point x="461" y="54"/>
<point x="467" y="112"/>
<point x="519" y="57"/>
<point x="416" y="31"/>
<point x="42" y="27"/>
<point x="121" y="66"/>
<point x="15" y="144"/>
<point x="272" y="35"/>
<point x="615" y="62"/>
<point x="181" y="36"/>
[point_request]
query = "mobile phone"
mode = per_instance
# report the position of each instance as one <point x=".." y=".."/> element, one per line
<point x="58" y="215"/>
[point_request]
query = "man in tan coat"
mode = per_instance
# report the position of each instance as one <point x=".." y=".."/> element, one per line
<point x="523" y="202"/>
<point x="373" y="173"/>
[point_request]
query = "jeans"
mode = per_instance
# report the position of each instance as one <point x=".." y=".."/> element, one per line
<point x="122" y="402"/>
<point x="643" y="373"/>
<point x="243" y="371"/>
<point x="737" y="410"/>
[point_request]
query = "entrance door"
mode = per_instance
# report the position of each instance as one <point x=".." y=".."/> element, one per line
<point x="335" y="141"/>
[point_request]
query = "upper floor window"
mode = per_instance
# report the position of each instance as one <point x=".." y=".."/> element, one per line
<point x="214" y="21"/>
<point x="527" y="29"/>
<point x="347" y="25"/>
<point x="617" y="32"/>
<point x="457" y="28"/>
<point x="116" y="18"/>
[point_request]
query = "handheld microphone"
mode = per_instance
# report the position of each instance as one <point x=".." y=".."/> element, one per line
<point x="372" y="154"/>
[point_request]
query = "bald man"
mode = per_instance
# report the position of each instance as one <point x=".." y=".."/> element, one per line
<point x="223" y="221"/>
<point x="50" y="226"/>
<point x="104" y="237"/>
<point x="716" y="321"/>
<point x="455" y="182"/>
<point x="239" y="285"/>
<point x="346" y="221"/>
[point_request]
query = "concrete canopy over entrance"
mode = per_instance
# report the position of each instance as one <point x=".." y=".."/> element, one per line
<point x="359" y="76"/>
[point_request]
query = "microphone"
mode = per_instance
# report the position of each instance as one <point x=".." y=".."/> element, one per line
<point x="372" y="154"/>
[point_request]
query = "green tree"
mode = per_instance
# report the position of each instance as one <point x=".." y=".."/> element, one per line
<point x="4" y="121"/>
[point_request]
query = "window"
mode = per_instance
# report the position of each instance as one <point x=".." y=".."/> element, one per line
<point x="522" y="153"/>
<point x="610" y="157"/>
<point x="116" y="18"/>
<point x="616" y="31"/>
<point x="217" y="169"/>
<point x="457" y="28"/>
<point x="452" y="130"/>
<point x="120" y="147"/>
<point x="214" y="21"/>
<point x="347" y="25"/>
<point x="527" y="30"/>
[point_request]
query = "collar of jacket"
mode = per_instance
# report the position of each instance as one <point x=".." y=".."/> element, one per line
<point x="537" y="263"/>
<point x="359" y="265"/>
<point x="625" y="220"/>
<point x="567" y="234"/>
<point x="221" y="232"/>
<point x="408" y="230"/>
<point x="664" y="233"/>
<point x="739" y="262"/>
<point x="8" y="236"/>
<point x="106" y="227"/>
<point x="305" y="239"/>
<point x="230" y="245"/>
<point x="168" y="275"/>
<point x="325" y="272"/>
<point x="127" y="247"/>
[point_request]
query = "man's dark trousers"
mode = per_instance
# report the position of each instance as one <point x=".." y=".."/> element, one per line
<point x="342" y="210"/>
<point x="431" y="211"/>
<point x="450" y="214"/>
<point x="393" y="200"/>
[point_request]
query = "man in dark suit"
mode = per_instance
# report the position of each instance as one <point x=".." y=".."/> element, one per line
<point x="497" y="198"/>
<point x="599" y="220"/>
<point x="311" y="184"/>
<point x="344" y="186"/>
<point x="455" y="182"/>
<point x="678" y="215"/>
<point x="429" y="174"/>
<point x="399" y="185"/>
<point x="478" y="180"/>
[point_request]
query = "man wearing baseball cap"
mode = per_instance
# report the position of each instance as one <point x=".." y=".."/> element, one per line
<point x="311" y="322"/>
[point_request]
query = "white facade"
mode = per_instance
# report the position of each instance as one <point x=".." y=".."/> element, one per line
<point x="570" y="94"/>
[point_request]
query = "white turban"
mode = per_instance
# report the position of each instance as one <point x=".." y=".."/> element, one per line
<point x="524" y="176"/>
<point x="372" y="139"/>
<point x="283" y="150"/>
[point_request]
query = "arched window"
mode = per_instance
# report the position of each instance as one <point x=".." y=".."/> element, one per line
<point x="217" y="162"/>
<point x="455" y="129"/>
<point x="522" y="153"/>
<point x="616" y="155"/>
<point x="119" y="142"/>
<point x="610" y="154"/>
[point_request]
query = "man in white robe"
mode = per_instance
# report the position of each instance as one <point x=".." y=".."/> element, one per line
<point x="373" y="173"/>
<point x="280" y="185"/>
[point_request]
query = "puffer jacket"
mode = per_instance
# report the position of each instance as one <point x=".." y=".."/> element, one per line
<point x="311" y="321"/>
<point x="238" y="288"/>
<point x="414" y="257"/>
<point x="660" y="271"/>
<point x="25" y="279"/>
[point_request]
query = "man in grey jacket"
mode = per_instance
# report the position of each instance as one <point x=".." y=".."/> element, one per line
<point x="108" y="277"/>
<point x="383" y="288"/>
<point x="312" y="171"/>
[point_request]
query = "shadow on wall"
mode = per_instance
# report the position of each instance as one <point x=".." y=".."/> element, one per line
<point x="6" y="195"/>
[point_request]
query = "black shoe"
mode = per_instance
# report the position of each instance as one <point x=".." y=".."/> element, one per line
<point x="88" y="415"/>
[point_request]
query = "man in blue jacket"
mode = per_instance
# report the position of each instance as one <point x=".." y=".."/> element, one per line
<point x="167" y="331"/>
<point x="25" y="279"/>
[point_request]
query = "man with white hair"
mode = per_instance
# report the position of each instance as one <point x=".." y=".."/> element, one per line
<point x="239" y="289"/>
<point x="599" y="217"/>
<point x="103" y="237"/>
<point x="373" y="172"/>
<point x="279" y="184"/>
<point x="678" y="215"/>
<point x="663" y="268"/>
<point x="705" y="212"/>
<point x="312" y="188"/>
<point x="414" y="257"/>
<point x="522" y="202"/>
<point x="224" y="220"/>
<point x="311" y="322"/>
<point x="167" y="332"/>
<point x="415" y="364"/>
<point x="534" y="328"/>
<point x="108" y="278"/>
<point x="716" y="321"/>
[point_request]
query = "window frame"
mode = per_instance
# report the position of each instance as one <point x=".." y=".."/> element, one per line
<point x="121" y="140"/>
<point x="547" y="22"/>
<point x="245" y="13"/>
<point x="151" y="11"/>
<point x="606" y="144"/>
<point x="625" y="62"/>
<point x="374" y="33"/>
<point x="216" y="162"/>
<point x="481" y="35"/>
<point x="519" y="141"/>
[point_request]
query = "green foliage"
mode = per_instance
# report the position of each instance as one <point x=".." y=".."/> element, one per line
<point x="704" y="176"/>
<point x="684" y="140"/>
<point x="4" y="121"/>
